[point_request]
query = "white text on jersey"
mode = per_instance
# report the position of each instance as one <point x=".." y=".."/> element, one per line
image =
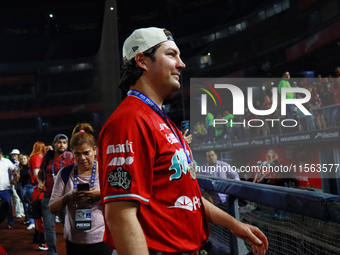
<point x="125" y="147"/>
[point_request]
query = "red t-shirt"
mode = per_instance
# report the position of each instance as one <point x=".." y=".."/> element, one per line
<point x="35" y="162"/>
<point x="337" y="95"/>
<point x="141" y="159"/>
<point x="66" y="158"/>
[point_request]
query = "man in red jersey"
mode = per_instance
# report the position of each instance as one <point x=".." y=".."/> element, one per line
<point x="150" y="195"/>
<point x="51" y="164"/>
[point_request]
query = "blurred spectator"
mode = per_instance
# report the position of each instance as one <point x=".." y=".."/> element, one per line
<point x="17" y="204"/>
<point x="337" y="91"/>
<point x="51" y="164"/>
<point x="318" y="83"/>
<point x="219" y="129"/>
<point x="314" y="105"/>
<point x="263" y="175"/>
<point x="218" y="168"/>
<point x="24" y="181"/>
<point x="7" y="170"/>
<point x="305" y="84"/>
<point x="251" y="131"/>
<point x="209" y="122"/>
<point x="326" y="97"/>
<point x="201" y="130"/>
<point x="284" y="83"/>
<point x="230" y="127"/>
<point x="36" y="156"/>
<point x="267" y="127"/>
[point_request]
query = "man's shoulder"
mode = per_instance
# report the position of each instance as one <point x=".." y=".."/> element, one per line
<point x="7" y="162"/>
<point x="132" y="115"/>
<point x="129" y="110"/>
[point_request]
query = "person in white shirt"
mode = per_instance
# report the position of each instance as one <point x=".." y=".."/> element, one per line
<point x="218" y="168"/>
<point x="7" y="169"/>
<point x="17" y="203"/>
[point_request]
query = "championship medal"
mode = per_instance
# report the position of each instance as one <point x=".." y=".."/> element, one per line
<point x="192" y="171"/>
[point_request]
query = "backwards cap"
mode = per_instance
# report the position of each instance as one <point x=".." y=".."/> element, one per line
<point x="143" y="39"/>
<point x="60" y="137"/>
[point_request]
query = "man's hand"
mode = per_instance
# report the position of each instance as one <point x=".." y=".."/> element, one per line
<point x="249" y="233"/>
<point x="187" y="138"/>
<point x="253" y="236"/>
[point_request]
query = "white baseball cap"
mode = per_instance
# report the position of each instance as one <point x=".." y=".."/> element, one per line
<point x="143" y="39"/>
<point x="15" y="151"/>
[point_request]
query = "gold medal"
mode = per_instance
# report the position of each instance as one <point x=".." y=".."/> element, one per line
<point x="192" y="171"/>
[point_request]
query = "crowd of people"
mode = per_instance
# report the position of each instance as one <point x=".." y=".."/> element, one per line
<point x="39" y="176"/>
<point x="325" y="95"/>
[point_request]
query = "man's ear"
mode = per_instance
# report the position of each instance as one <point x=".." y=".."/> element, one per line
<point x="140" y="59"/>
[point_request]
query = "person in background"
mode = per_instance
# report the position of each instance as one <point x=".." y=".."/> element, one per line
<point x="218" y="168"/>
<point x="284" y="83"/>
<point x="36" y="156"/>
<point x="209" y="123"/>
<point x="326" y="97"/>
<point x="314" y="105"/>
<point x="230" y="127"/>
<point x="7" y="170"/>
<point x="24" y="180"/>
<point x="52" y="163"/>
<point x="66" y="193"/>
<point x="17" y="204"/>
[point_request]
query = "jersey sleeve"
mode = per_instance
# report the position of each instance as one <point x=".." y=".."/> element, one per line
<point x="126" y="157"/>
<point x="70" y="159"/>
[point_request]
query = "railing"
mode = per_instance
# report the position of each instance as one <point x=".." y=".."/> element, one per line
<point x="295" y="221"/>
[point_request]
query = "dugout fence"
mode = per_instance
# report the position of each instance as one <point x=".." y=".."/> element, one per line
<point x="295" y="221"/>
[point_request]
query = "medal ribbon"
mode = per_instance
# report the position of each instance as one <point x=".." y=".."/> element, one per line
<point x="161" y="113"/>
<point x="93" y="175"/>
<point x="61" y="164"/>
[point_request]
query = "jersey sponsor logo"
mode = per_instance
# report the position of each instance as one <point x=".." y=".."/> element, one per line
<point x="125" y="147"/>
<point x="119" y="178"/>
<point x="171" y="138"/>
<point x="119" y="161"/>
<point x="163" y="126"/>
<point x="179" y="163"/>
<point x="186" y="203"/>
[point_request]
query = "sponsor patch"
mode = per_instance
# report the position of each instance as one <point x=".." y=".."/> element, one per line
<point x="186" y="203"/>
<point x="119" y="161"/>
<point x="119" y="178"/>
<point x="120" y="148"/>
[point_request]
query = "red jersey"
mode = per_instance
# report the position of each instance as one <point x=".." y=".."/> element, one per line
<point x="141" y="159"/>
<point x="60" y="162"/>
<point x="35" y="162"/>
